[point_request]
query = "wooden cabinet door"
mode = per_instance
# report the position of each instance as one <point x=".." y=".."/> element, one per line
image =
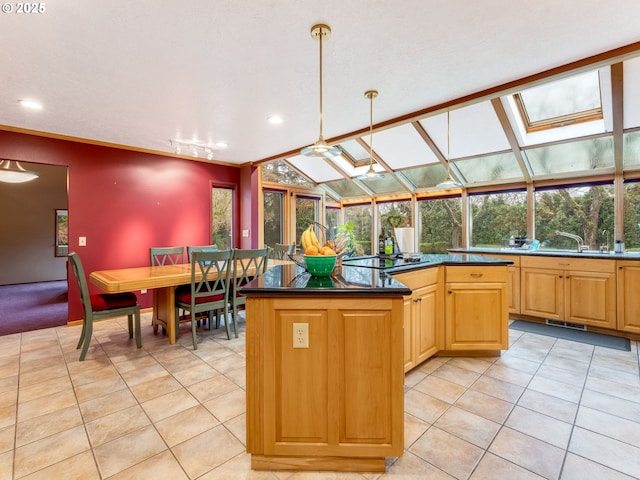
<point x="542" y="293"/>
<point x="590" y="298"/>
<point x="628" y="276"/>
<point x="513" y="289"/>
<point x="427" y="321"/>
<point x="343" y="395"/>
<point x="409" y="357"/>
<point x="476" y="316"/>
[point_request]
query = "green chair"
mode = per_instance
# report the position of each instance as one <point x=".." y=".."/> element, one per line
<point x="159" y="256"/>
<point x="101" y="306"/>
<point x="245" y="266"/>
<point x="281" y="251"/>
<point x="210" y="292"/>
<point x="201" y="248"/>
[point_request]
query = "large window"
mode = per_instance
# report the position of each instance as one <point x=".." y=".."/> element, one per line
<point x="586" y="211"/>
<point x="392" y="215"/>
<point x="273" y="212"/>
<point x="495" y="217"/>
<point x="360" y="217"/>
<point x="332" y="220"/>
<point x="440" y="224"/>
<point x="307" y="211"/>
<point x="222" y="217"/>
<point x="631" y="217"/>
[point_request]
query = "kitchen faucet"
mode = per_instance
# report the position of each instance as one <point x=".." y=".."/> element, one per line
<point x="581" y="246"/>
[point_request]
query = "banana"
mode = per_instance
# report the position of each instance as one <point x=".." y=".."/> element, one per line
<point x="304" y="239"/>
<point x="312" y="237"/>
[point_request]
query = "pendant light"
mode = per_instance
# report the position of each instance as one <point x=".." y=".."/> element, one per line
<point x="321" y="148"/>
<point x="371" y="173"/>
<point x="448" y="182"/>
<point x="12" y="172"/>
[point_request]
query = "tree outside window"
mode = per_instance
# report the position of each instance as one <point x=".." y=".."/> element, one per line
<point x="440" y="224"/>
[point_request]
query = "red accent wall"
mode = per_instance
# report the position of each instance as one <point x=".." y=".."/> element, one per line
<point x="125" y="202"/>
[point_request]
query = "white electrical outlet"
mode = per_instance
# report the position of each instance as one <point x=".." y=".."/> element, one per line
<point x="143" y="291"/>
<point x="82" y="241"/>
<point x="300" y="335"/>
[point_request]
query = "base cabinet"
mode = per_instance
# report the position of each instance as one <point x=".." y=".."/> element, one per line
<point x="423" y="311"/>
<point x="336" y="405"/>
<point x="476" y="313"/>
<point x="581" y="291"/>
<point x="513" y="280"/>
<point x="628" y="277"/>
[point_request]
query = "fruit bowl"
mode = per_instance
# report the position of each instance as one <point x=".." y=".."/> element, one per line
<point x="320" y="265"/>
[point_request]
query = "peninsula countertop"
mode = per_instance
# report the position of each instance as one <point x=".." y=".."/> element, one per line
<point x="358" y="275"/>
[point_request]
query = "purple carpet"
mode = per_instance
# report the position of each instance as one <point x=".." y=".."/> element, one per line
<point x="32" y="306"/>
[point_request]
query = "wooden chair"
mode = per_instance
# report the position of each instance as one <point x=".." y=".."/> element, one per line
<point x="281" y="251"/>
<point x="201" y="248"/>
<point x="160" y="256"/>
<point x="210" y="292"/>
<point x="103" y="305"/>
<point x="245" y="266"/>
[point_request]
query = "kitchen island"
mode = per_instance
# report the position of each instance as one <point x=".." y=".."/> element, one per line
<point x="326" y="356"/>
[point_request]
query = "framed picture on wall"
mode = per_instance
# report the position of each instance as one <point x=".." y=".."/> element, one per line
<point x="62" y="233"/>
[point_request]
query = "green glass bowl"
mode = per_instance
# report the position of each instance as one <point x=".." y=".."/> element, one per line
<point x="320" y="265"/>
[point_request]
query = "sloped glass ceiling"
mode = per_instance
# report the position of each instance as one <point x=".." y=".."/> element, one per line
<point x="558" y="129"/>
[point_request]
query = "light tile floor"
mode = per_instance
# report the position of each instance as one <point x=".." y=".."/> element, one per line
<point x="546" y="408"/>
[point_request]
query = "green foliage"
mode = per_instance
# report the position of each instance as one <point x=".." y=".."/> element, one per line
<point x="354" y="248"/>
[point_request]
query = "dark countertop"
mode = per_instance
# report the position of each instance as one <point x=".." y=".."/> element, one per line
<point x="550" y="253"/>
<point x="359" y="275"/>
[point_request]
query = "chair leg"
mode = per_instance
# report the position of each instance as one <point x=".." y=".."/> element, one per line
<point x="176" y="328"/>
<point x="82" y="334"/>
<point x="226" y="322"/>
<point x="88" y="332"/>
<point x="130" y="324"/>
<point x="193" y="331"/>
<point x="138" y="333"/>
<point x="235" y="321"/>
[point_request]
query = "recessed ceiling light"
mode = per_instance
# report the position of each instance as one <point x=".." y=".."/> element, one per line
<point x="221" y="144"/>
<point x="275" y="119"/>
<point x="33" y="105"/>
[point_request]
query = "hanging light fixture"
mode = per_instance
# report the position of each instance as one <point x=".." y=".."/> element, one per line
<point x="12" y="172"/>
<point x="448" y="182"/>
<point x="371" y="173"/>
<point x="321" y="148"/>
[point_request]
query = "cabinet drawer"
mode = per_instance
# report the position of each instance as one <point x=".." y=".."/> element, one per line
<point x="476" y="274"/>
<point x="569" y="263"/>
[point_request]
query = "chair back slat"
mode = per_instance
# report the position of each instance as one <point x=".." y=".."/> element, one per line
<point x="214" y="266"/>
<point x="281" y="251"/>
<point x="78" y="271"/>
<point x="248" y="264"/>
<point x="200" y="248"/>
<point x="160" y="256"/>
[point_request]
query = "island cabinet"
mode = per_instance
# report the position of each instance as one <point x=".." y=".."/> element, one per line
<point x="628" y="277"/>
<point x="575" y="290"/>
<point x="476" y="313"/>
<point x="423" y="313"/>
<point x="337" y="402"/>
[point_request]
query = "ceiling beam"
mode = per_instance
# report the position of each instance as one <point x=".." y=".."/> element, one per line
<point x="511" y="136"/>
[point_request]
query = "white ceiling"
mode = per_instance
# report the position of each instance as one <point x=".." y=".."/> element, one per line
<point x="138" y="73"/>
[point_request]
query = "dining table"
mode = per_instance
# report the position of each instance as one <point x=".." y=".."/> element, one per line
<point x="162" y="279"/>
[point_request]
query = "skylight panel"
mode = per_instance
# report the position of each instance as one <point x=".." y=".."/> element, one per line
<point x="560" y="103"/>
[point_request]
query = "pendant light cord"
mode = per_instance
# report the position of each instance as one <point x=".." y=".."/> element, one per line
<point x="448" y="145"/>
<point x="371" y="129"/>
<point x="320" y="35"/>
